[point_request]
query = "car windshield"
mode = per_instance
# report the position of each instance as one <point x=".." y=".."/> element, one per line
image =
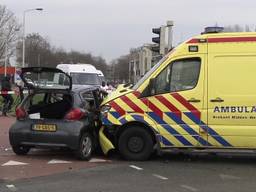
<point x="85" y="78"/>
<point x="145" y="77"/>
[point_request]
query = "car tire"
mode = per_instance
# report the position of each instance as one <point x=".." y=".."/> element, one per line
<point x="85" y="147"/>
<point x="20" y="150"/>
<point x="135" y="143"/>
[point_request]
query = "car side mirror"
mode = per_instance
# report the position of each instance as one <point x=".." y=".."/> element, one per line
<point x="152" y="86"/>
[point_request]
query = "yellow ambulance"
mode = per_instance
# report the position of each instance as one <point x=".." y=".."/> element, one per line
<point x="200" y="95"/>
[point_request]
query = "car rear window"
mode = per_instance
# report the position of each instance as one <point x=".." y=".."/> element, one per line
<point x="49" y="105"/>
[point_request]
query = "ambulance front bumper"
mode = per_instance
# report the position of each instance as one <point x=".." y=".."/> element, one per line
<point x="105" y="143"/>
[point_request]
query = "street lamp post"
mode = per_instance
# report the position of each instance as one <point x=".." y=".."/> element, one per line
<point x="24" y="33"/>
<point x="5" y="59"/>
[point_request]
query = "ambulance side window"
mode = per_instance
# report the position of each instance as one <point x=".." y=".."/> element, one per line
<point x="163" y="81"/>
<point x="180" y="75"/>
<point x="185" y="74"/>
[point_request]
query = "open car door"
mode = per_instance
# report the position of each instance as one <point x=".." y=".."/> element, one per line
<point x="43" y="78"/>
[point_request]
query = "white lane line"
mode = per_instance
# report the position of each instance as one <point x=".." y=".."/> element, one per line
<point x="223" y="176"/>
<point x="56" y="161"/>
<point x="11" y="187"/>
<point x="160" y="177"/>
<point x="11" y="163"/>
<point x="135" y="167"/>
<point x="189" y="188"/>
<point x="96" y="160"/>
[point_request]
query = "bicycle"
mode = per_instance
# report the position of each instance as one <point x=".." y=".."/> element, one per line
<point x="7" y="105"/>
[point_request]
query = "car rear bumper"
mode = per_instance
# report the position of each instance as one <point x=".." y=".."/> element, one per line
<point x="67" y="134"/>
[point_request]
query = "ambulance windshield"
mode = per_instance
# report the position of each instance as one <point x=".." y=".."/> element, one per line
<point x="145" y="77"/>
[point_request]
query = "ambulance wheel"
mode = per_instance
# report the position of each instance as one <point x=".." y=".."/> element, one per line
<point x="135" y="143"/>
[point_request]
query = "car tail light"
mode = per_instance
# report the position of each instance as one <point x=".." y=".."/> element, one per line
<point x="20" y="113"/>
<point x="75" y="114"/>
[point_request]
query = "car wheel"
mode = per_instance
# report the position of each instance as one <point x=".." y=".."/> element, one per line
<point x="85" y="147"/>
<point x="20" y="150"/>
<point x="135" y="144"/>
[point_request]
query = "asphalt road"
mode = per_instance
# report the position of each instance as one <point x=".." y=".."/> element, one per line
<point x="177" y="172"/>
<point x="171" y="172"/>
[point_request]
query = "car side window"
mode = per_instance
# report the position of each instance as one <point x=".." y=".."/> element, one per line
<point x="180" y="75"/>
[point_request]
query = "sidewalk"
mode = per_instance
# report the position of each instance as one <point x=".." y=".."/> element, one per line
<point x="5" y="124"/>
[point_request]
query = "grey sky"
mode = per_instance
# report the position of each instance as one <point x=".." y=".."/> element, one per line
<point x="109" y="28"/>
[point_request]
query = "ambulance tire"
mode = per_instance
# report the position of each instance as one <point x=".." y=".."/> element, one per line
<point x="135" y="143"/>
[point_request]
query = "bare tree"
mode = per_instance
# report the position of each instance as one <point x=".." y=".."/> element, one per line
<point x="247" y="28"/>
<point x="121" y="68"/>
<point x="9" y="33"/>
<point x="38" y="51"/>
<point x="235" y="28"/>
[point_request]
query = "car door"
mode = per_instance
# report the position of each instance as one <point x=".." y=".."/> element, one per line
<point x="231" y="99"/>
<point x="177" y="104"/>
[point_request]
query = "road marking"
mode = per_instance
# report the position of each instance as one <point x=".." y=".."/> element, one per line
<point x="11" y="187"/>
<point x="11" y="163"/>
<point x="95" y="160"/>
<point x="56" y="161"/>
<point x="223" y="176"/>
<point x="189" y="188"/>
<point x="160" y="177"/>
<point x="135" y="167"/>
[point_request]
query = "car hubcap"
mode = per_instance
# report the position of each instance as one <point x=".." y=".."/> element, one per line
<point x="135" y="144"/>
<point x="86" y="146"/>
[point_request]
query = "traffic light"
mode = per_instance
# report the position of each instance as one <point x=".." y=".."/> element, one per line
<point x="159" y="41"/>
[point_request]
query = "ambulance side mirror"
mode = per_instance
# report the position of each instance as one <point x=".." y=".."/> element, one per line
<point x="152" y="86"/>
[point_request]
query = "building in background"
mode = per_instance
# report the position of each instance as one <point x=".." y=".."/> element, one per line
<point x="141" y="60"/>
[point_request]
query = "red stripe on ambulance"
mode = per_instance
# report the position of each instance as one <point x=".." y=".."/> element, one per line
<point x="131" y="104"/>
<point x="169" y="105"/>
<point x="117" y="108"/>
<point x="186" y="104"/>
<point x="153" y="107"/>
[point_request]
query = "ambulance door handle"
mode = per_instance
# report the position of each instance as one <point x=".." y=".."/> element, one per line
<point x="193" y="100"/>
<point x="217" y="100"/>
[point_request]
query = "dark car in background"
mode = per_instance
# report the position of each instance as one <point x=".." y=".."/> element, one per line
<point x="55" y="115"/>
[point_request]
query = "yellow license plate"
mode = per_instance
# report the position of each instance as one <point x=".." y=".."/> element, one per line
<point x="44" y="127"/>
